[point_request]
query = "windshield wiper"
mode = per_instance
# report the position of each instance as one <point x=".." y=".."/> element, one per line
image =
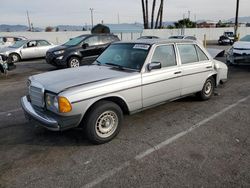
<point x="115" y="65"/>
<point x="98" y="62"/>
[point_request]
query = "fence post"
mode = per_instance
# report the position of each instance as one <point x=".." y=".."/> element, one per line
<point x="205" y="41"/>
<point x="131" y="36"/>
<point x="121" y="36"/>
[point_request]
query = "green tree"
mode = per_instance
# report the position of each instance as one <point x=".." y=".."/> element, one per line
<point x="186" y="22"/>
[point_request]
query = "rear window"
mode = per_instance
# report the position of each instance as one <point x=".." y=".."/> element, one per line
<point x="187" y="53"/>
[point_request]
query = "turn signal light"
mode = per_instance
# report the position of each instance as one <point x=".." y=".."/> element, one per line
<point x="64" y="105"/>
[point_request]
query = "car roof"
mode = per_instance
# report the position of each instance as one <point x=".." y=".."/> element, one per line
<point x="158" y="41"/>
<point x="96" y="34"/>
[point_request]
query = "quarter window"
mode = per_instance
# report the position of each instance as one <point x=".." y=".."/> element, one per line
<point x="202" y="56"/>
<point x="188" y="53"/>
<point x="165" y="55"/>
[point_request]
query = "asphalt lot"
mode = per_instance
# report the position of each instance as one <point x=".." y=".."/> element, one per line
<point x="186" y="143"/>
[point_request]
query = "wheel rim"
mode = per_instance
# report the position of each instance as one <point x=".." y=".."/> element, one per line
<point x="106" y="124"/>
<point x="14" y="58"/>
<point x="208" y="88"/>
<point x="74" y="63"/>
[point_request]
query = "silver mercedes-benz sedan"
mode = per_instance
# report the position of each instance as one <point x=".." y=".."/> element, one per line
<point x="127" y="77"/>
<point x="26" y="49"/>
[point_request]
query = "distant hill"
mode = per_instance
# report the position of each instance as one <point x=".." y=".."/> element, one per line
<point x="245" y="19"/>
<point x="69" y="27"/>
<point x="16" y="28"/>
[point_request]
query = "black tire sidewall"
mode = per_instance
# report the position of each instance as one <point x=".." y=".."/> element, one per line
<point x="203" y="95"/>
<point x="11" y="57"/>
<point x="92" y="116"/>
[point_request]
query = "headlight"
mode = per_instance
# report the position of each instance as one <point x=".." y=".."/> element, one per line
<point x="59" y="52"/>
<point x="57" y="103"/>
<point x="28" y="83"/>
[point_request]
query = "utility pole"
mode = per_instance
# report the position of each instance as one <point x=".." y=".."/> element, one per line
<point x="91" y="12"/>
<point x="189" y="12"/>
<point x="118" y="18"/>
<point x="28" y="20"/>
<point x="236" y="20"/>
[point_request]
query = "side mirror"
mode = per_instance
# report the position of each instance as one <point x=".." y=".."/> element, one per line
<point x="85" y="45"/>
<point x="154" y="65"/>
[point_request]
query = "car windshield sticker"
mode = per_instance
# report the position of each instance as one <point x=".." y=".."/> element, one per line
<point x="141" y="46"/>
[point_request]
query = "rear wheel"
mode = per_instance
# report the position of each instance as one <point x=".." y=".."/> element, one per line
<point x="14" y="58"/>
<point x="207" y="90"/>
<point x="73" y="62"/>
<point x="103" y="122"/>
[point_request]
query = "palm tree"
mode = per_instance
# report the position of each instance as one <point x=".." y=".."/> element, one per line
<point x="144" y="14"/>
<point x="152" y="15"/>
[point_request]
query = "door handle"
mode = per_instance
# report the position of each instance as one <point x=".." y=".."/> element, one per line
<point x="209" y="67"/>
<point x="179" y="72"/>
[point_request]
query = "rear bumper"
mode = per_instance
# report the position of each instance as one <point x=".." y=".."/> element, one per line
<point x="49" y="120"/>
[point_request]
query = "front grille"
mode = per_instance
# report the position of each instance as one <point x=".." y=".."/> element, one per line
<point x="36" y="96"/>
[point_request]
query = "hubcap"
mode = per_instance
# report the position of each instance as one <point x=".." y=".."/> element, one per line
<point x="74" y="63"/>
<point x="106" y="124"/>
<point x="14" y="58"/>
<point x="208" y="88"/>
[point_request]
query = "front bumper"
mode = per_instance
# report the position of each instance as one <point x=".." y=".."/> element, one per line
<point x="45" y="120"/>
<point x="49" y="120"/>
<point x="53" y="60"/>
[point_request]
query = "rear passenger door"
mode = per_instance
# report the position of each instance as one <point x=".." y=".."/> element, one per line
<point x="195" y="67"/>
<point x="162" y="84"/>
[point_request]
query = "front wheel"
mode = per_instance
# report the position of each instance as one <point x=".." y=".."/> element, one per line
<point x="207" y="90"/>
<point x="73" y="62"/>
<point x="14" y="58"/>
<point x="103" y="122"/>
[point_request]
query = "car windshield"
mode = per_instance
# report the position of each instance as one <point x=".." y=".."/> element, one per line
<point x="18" y="44"/>
<point x="246" y="38"/>
<point x="74" y="41"/>
<point x="125" y="56"/>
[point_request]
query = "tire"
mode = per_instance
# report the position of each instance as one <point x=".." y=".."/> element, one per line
<point x="14" y="58"/>
<point x="103" y="122"/>
<point x="73" y="62"/>
<point x="207" y="90"/>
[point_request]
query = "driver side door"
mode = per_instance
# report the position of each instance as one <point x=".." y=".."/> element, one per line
<point x="162" y="84"/>
<point x="29" y="50"/>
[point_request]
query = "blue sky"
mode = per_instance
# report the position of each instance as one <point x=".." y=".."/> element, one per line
<point x="76" y="12"/>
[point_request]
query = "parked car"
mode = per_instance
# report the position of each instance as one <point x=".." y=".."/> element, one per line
<point x="127" y="77"/>
<point x="5" y="65"/>
<point x="148" y="37"/>
<point x="83" y="49"/>
<point x="26" y="49"/>
<point x="226" y="39"/>
<point x="182" y="37"/>
<point x="239" y="53"/>
<point x="9" y="40"/>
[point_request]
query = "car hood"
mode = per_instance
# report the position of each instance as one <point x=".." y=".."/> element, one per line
<point x="62" y="80"/>
<point x="7" y="49"/>
<point x="242" y="45"/>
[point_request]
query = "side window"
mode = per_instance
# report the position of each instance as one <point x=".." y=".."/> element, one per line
<point x="187" y="53"/>
<point x="42" y="43"/>
<point x="31" y="44"/>
<point x="165" y="55"/>
<point x="202" y="56"/>
<point x="92" y="41"/>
